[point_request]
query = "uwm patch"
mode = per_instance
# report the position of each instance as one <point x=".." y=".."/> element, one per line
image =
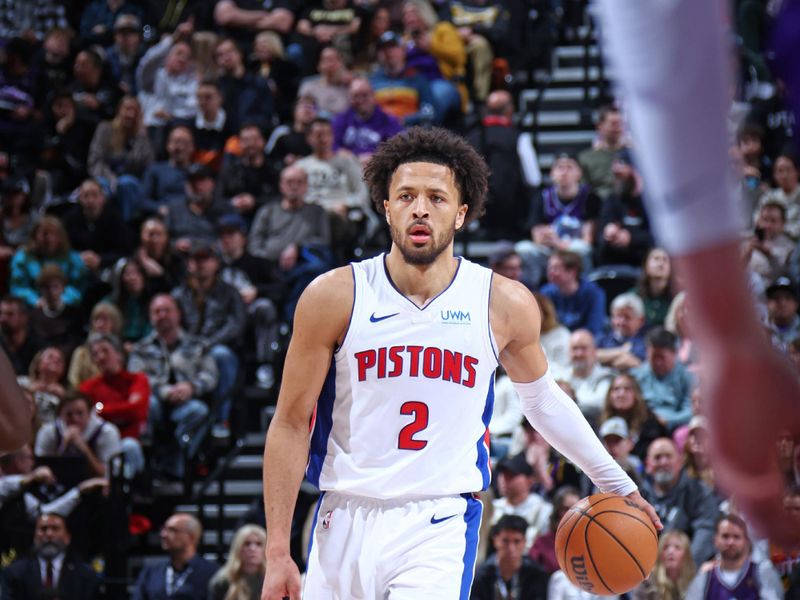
<point x="455" y="317"/>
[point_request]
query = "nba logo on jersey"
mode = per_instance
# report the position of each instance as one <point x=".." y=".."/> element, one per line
<point x="326" y="520"/>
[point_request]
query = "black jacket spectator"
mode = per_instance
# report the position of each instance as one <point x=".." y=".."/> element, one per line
<point x="23" y="580"/>
<point x="531" y="582"/>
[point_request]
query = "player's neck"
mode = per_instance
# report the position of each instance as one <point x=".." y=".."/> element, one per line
<point x="421" y="283"/>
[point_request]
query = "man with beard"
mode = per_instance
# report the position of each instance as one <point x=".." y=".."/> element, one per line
<point x="684" y="503"/>
<point x="50" y="568"/>
<point x="398" y="355"/>
<point x="734" y="573"/>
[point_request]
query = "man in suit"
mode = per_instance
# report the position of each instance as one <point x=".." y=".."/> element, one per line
<point x="50" y="569"/>
<point x="183" y="574"/>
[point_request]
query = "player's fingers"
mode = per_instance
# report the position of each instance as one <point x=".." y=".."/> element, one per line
<point x="651" y="512"/>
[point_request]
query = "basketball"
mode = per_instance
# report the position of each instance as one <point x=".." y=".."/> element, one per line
<point x="606" y="544"/>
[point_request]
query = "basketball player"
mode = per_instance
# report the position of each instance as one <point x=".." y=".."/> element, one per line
<point x="15" y="413"/>
<point x="672" y="69"/>
<point x="398" y="354"/>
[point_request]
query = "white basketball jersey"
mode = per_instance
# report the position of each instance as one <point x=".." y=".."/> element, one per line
<point x="405" y="408"/>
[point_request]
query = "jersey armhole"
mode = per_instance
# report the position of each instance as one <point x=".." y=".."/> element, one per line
<point x="490" y="341"/>
<point x="348" y="332"/>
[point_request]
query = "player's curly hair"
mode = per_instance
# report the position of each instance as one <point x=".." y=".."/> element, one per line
<point x="431" y="145"/>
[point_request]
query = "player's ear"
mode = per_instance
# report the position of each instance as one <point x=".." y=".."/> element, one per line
<point x="386" y="211"/>
<point x="461" y="216"/>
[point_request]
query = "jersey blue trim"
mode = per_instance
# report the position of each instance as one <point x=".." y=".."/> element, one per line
<point x="313" y="529"/>
<point x="489" y="320"/>
<point x="472" y="518"/>
<point x="322" y="426"/>
<point x="483" y="456"/>
<point x="352" y="311"/>
<point x="431" y="301"/>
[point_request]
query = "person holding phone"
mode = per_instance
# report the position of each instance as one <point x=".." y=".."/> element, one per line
<point x="769" y="248"/>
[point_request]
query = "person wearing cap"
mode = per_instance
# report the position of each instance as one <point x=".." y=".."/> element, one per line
<point x="623" y="231"/>
<point x="616" y="438"/>
<point x="510" y="572"/>
<point x="329" y="88"/>
<point x="597" y="162"/>
<point x="17" y="216"/>
<point x="769" y="249"/>
<point x="782" y="304"/>
<point x="213" y="311"/>
<point x="124" y="54"/>
<point x="195" y="217"/>
<point x="16" y="337"/>
<point x="515" y="480"/>
<point x="563" y="216"/>
<point x="119" y="396"/>
<point x="100" y="18"/>
<point x="400" y="91"/>
<point x="261" y="287"/>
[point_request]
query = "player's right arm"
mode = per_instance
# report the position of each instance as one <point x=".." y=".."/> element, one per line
<point x="320" y="322"/>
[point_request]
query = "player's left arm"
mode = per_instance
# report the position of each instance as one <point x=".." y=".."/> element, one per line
<point x="516" y="322"/>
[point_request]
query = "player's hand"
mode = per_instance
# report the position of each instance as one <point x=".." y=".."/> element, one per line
<point x="753" y="394"/>
<point x="646" y="507"/>
<point x="282" y="579"/>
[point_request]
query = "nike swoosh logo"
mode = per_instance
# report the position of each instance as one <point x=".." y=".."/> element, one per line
<point x="374" y="319"/>
<point x="434" y="520"/>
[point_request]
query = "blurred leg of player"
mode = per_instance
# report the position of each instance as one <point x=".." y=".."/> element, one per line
<point x="672" y="66"/>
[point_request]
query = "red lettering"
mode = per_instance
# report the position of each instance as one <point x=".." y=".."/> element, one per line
<point x="470" y="362"/>
<point x="414" y="352"/>
<point x="365" y="360"/>
<point x="405" y="440"/>
<point x="397" y="360"/>
<point x="381" y="363"/>
<point x="432" y="363"/>
<point x="451" y="369"/>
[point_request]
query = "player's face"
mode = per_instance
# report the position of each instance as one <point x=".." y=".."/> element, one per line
<point x="730" y="541"/>
<point x="424" y="211"/>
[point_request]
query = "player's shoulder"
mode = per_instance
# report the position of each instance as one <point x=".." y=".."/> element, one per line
<point x="510" y="294"/>
<point x="331" y="289"/>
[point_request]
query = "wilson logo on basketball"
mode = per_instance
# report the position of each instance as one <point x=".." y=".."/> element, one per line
<point x="578" y="564"/>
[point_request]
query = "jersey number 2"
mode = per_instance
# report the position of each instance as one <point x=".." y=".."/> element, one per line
<point x="406" y="439"/>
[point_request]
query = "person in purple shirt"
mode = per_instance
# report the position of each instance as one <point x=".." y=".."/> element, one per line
<point x="364" y="125"/>
<point x="580" y="303"/>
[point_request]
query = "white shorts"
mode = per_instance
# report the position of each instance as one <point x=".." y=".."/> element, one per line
<point x="399" y="549"/>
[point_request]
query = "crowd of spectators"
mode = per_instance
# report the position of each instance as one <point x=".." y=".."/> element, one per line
<point x="174" y="174"/>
